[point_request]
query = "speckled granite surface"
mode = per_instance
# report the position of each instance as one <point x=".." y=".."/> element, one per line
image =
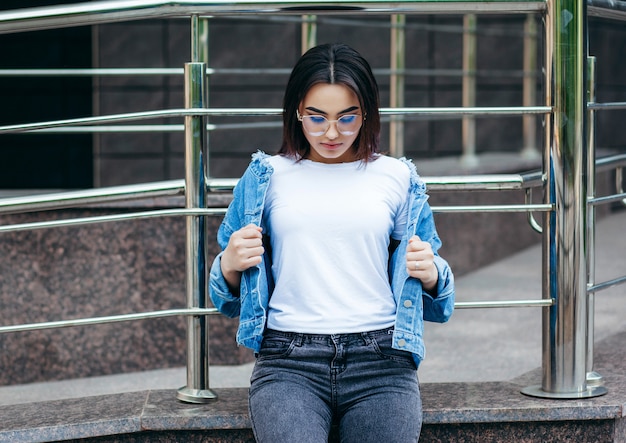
<point x="92" y="271"/>
<point x="453" y="412"/>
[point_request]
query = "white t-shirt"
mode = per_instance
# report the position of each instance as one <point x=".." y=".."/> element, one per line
<point x="330" y="226"/>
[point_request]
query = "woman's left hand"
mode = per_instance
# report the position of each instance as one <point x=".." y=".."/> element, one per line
<point x="420" y="262"/>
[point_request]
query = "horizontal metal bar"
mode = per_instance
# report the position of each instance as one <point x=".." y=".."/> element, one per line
<point x="175" y="128"/>
<point x="89" y="72"/>
<point x="99" y="12"/>
<point x="607" y="284"/>
<point x="79" y="221"/>
<point x="484" y="111"/>
<point x="111" y="194"/>
<point x="476" y="111"/>
<point x="611" y="9"/>
<point x="137" y="72"/>
<point x="489" y="182"/>
<point x="543" y="303"/>
<point x="152" y="128"/>
<point x="608" y="199"/>
<point x="107" y="319"/>
<point x="113" y="129"/>
<point x="211" y="311"/>
<point x="494" y="208"/>
<point x="134" y="116"/>
<point x="221" y="184"/>
<point x="105" y="72"/>
<point x="606" y="106"/>
<point x="610" y="162"/>
<point x="59" y="200"/>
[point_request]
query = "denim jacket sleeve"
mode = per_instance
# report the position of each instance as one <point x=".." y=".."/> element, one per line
<point x="219" y="291"/>
<point x="439" y="306"/>
<point x="414" y="304"/>
<point x="245" y="208"/>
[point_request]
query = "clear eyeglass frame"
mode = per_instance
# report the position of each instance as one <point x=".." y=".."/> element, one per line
<point x="347" y="125"/>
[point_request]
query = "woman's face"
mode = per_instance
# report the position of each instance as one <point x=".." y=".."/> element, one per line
<point x="333" y="102"/>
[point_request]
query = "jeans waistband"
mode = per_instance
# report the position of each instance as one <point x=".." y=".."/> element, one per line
<point x="329" y="337"/>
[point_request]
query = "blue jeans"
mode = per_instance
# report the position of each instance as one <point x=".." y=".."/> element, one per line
<point x="303" y="385"/>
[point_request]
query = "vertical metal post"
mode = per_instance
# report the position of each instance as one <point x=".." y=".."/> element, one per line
<point x="529" y="122"/>
<point x="308" y="32"/>
<point x="565" y="323"/>
<point x="469" y="157"/>
<point x="200" y="54"/>
<point x="197" y="389"/>
<point x="396" y="83"/>
<point x="593" y="378"/>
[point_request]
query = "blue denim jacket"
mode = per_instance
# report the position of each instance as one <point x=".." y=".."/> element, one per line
<point x="414" y="305"/>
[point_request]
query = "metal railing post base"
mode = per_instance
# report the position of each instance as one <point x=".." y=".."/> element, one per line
<point x="591" y="391"/>
<point x="594" y="379"/>
<point x="189" y="395"/>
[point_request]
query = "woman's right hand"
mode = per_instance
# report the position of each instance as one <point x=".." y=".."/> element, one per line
<point x="244" y="250"/>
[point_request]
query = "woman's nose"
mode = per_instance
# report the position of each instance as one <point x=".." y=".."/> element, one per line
<point x="332" y="132"/>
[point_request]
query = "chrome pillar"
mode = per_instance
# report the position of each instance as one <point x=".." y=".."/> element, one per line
<point x="396" y="83"/>
<point x="593" y="378"/>
<point x="200" y="54"/>
<point x="197" y="389"/>
<point x="565" y="323"/>
<point x="469" y="157"/>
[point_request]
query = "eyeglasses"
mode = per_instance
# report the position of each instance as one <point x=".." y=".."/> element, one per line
<point x="317" y="125"/>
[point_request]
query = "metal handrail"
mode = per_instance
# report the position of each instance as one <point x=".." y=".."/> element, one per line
<point x="83" y="14"/>
<point x="111" y="72"/>
<point x="173" y="188"/>
<point x="27" y="327"/>
<point x="542" y="303"/>
<point x="611" y="9"/>
<point x="613" y="106"/>
<point x="252" y="112"/>
<point x="78" y="221"/>
<point x="107" y="319"/>
<point x="111" y="194"/>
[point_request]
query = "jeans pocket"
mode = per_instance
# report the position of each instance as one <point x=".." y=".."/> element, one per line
<point x="275" y="346"/>
<point x="383" y="347"/>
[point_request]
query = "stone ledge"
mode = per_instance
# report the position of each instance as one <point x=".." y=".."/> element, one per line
<point x="464" y="412"/>
<point x="452" y="412"/>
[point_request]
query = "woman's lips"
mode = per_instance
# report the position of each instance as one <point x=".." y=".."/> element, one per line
<point x="331" y="146"/>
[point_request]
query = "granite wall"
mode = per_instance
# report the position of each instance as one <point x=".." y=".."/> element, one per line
<point x="91" y="271"/>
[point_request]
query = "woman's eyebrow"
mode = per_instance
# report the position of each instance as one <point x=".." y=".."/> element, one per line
<point x="319" y="111"/>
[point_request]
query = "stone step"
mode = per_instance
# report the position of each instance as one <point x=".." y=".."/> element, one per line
<point x="453" y="412"/>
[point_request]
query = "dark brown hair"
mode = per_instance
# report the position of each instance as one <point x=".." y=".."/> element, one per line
<point x="339" y="64"/>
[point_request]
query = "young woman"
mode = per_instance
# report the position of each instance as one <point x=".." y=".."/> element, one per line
<point x="330" y="260"/>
